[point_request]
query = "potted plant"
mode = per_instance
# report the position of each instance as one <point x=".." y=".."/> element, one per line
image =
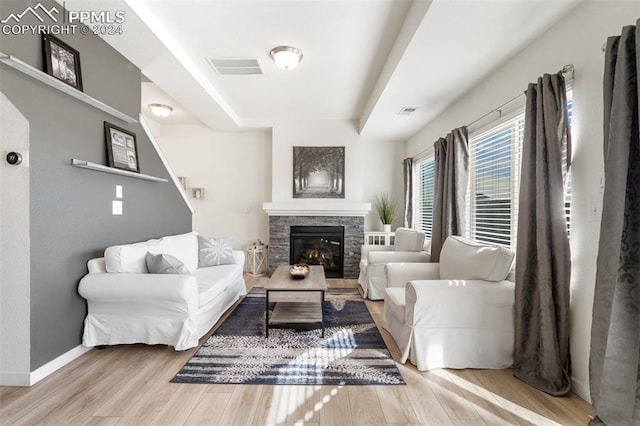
<point x="386" y="209"/>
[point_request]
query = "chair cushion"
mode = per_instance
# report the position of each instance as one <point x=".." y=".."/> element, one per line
<point x="409" y="240"/>
<point x="464" y="259"/>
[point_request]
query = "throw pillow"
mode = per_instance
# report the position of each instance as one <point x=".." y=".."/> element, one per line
<point x="215" y="251"/>
<point x="165" y="264"/>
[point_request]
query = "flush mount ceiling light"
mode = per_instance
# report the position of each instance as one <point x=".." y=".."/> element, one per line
<point x="160" y="110"/>
<point x="286" y="57"/>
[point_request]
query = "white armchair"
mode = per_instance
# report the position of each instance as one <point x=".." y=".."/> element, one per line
<point x="410" y="246"/>
<point x="454" y="314"/>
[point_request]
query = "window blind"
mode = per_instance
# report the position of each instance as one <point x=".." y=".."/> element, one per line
<point x="495" y="156"/>
<point x="425" y="177"/>
<point x="494" y="171"/>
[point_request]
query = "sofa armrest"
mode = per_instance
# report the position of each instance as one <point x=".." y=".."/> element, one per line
<point x="399" y="274"/>
<point x="115" y="287"/>
<point x="239" y="256"/>
<point x="398" y="256"/>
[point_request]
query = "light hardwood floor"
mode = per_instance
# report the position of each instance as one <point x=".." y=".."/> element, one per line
<point x="129" y="384"/>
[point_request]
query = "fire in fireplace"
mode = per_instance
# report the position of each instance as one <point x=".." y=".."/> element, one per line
<point x="319" y="245"/>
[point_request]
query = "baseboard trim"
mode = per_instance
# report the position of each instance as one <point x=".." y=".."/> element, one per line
<point x="581" y="389"/>
<point x="30" y="379"/>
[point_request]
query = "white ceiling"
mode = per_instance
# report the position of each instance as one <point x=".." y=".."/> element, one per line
<point x="363" y="59"/>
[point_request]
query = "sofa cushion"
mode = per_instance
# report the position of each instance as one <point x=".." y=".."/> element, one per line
<point x="131" y="258"/>
<point x="165" y="264"/>
<point x="409" y="240"/>
<point x="464" y="259"/>
<point x="212" y="281"/>
<point x="215" y="251"/>
<point x="184" y="247"/>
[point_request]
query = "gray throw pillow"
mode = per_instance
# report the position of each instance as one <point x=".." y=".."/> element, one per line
<point x="215" y="251"/>
<point x="165" y="264"/>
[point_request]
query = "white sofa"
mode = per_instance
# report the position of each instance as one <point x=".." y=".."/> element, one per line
<point x="454" y="314"/>
<point x="126" y="304"/>
<point x="410" y="246"/>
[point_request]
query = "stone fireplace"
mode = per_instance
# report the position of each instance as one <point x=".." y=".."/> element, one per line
<point x="348" y="216"/>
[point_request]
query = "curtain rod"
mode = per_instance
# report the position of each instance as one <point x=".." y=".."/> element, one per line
<point x="567" y="69"/>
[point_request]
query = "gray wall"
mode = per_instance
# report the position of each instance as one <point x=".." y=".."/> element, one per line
<point x="70" y="214"/>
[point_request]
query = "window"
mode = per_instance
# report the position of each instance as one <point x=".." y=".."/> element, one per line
<point x="492" y="192"/>
<point x="494" y="181"/>
<point x="425" y="179"/>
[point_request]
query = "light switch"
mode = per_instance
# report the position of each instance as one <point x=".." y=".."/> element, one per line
<point x="116" y="207"/>
<point x="118" y="191"/>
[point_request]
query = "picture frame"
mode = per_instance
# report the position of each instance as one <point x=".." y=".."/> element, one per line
<point x="122" y="148"/>
<point x="318" y="172"/>
<point x="61" y="61"/>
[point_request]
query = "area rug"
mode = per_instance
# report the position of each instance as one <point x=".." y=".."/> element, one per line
<point x="351" y="353"/>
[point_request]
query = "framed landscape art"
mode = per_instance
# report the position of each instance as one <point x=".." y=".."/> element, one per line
<point x="318" y="172"/>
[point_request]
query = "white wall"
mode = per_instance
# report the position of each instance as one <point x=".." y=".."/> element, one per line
<point x="371" y="166"/>
<point x="235" y="171"/>
<point x="576" y="39"/>
<point x="15" y="254"/>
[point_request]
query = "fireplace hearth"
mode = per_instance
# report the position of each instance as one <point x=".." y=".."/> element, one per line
<point x="319" y="245"/>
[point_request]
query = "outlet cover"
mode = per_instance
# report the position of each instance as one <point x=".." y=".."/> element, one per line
<point x="116" y="207"/>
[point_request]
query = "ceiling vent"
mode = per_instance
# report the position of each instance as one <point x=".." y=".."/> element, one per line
<point x="236" y="66"/>
<point x="407" y="110"/>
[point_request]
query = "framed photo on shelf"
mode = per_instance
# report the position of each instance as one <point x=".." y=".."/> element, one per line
<point x="122" y="149"/>
<point x="61" y="61"/>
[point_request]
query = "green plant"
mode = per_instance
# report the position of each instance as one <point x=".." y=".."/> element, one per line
<point x="386" y="208"/>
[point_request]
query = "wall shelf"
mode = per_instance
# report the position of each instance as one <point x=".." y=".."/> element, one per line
<point x="105" y="169"/>
<point x="35" y="73"/>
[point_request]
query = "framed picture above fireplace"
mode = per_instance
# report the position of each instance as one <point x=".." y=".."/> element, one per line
<point x="318" y="172"/>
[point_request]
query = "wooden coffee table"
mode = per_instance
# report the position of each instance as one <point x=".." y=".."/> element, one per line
<point x="298" y="301"/>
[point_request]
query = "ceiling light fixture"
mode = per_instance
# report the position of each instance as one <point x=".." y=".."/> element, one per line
<point x="286" y="57"/>
<point x="160" y="110"/>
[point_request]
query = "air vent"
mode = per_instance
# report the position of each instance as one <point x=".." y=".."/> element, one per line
<point x="236" y="66"/>
<point x="407" y="110"/>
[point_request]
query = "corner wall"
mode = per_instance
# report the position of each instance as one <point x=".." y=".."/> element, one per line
<point x="70" y="208"/>
<point x="235" y="171"/>
<point x="577" y="39"/>
<point x="14" y="248"/>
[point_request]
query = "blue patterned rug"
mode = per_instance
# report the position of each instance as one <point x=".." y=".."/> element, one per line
<point x="351" y="353"/>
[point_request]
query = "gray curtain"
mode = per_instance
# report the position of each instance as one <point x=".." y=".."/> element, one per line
<point x="451" y="156"/>
<point x="407" y="165"/>
<point x="543" y="268"/>
<point x="615" y="331"/>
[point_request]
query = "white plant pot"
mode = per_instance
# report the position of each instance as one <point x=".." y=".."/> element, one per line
<point x="386" y="228"/>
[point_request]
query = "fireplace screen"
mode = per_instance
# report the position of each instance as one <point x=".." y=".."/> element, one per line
<point x="319" y="245"/>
